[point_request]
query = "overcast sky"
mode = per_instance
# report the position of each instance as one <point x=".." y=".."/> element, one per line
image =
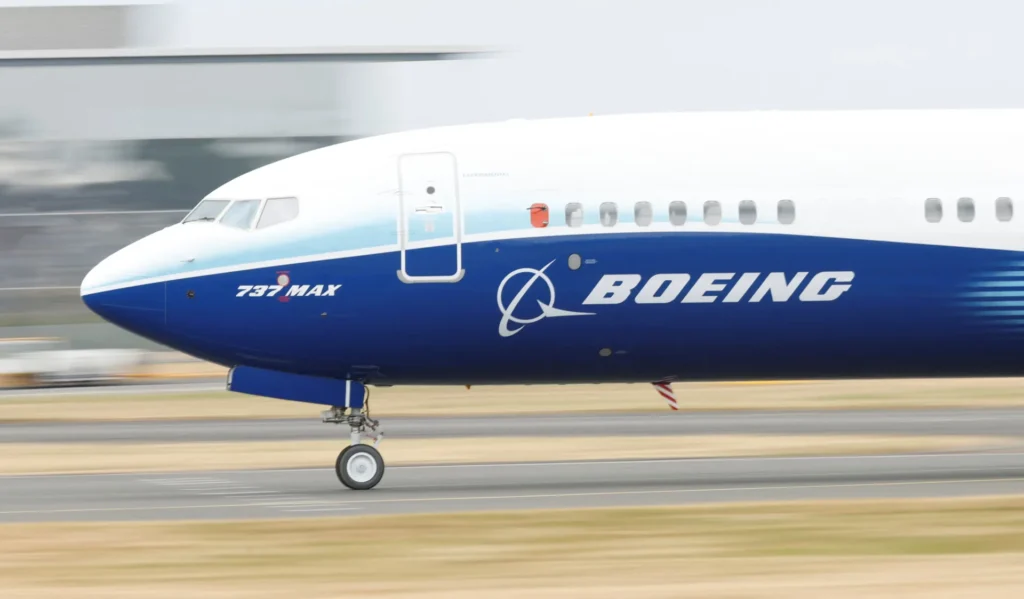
<point x="573" y="57"/>
<point x="562" y="58"/>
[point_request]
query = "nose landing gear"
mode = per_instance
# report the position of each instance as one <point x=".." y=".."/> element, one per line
<point x="359" y="466"/>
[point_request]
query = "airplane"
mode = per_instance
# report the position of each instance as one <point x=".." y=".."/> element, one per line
<point x="636" y="248"/>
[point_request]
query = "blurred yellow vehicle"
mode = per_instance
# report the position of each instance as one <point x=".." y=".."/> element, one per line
<point x="47" y="361"/>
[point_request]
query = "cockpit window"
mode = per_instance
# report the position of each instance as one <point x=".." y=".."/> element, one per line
<point x="241" y="214"/>
<point x="277" y="211"/>
<point x="207" y="210"/>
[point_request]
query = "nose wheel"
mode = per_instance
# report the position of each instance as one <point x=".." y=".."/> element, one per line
<point x="359" y="467"/>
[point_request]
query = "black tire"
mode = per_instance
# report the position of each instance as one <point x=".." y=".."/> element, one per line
<point x="373" y="467"/>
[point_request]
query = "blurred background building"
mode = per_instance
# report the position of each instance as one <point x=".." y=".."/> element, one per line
<point x="94" y="156"/>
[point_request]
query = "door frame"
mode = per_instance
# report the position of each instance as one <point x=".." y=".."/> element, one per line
<point x="403" y="225"/>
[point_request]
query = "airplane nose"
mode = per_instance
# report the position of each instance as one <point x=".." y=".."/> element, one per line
<point x="137" y="307"/>
<point x="97" y="278"/>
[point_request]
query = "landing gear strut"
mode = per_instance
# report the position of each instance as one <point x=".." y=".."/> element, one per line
<point x="359" y="466"/>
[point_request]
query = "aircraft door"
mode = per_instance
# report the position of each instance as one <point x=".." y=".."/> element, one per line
<point x="430" y="218"/>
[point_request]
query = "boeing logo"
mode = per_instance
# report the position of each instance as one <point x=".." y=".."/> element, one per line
<point x="707" y="288"/>
<point x="725" y="286"/>
<point x="547" y="310"/>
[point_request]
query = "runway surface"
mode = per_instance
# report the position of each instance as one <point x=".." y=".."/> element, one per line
<point x="126" y="388"/>
<point x="316" y="492"/>
<point x="980" y="421"/>
<point x="453" y="488"/>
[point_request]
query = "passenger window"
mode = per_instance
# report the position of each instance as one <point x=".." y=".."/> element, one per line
<point x="787" y="212"/>
<point x="207" y="210"/>
<point x="748" y="212"/>
<point x="677" y="213"/>
<point x="574" y="214"/>
<point x="933" y="210"/>
<point x="277" y="211"/>
<point x="643" y="214"/>
<point x="1004" y="209"/>
<point x="241" y="214"/>
<point x="609" y="214"/>
<point x="712" y="212"/>
<point x="965" y="210"/>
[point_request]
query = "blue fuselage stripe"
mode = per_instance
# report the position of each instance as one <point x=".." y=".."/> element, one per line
<point x="911" y="310"/>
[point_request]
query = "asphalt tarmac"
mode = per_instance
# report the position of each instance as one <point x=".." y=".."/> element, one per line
<point x="205" y="385"/>
<point x="1006" y="422"/>
<point x="257" y="494"/>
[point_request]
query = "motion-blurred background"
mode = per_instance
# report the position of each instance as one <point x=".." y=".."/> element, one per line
<point x="96" y="153"/>
<point x="118" y="116"/>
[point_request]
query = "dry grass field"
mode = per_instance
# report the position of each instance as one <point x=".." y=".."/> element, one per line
<point x="803" y="550"/>
<point x="539" y="399"/>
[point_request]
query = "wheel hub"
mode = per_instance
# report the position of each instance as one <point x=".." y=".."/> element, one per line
<point x="361" y="467"/>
